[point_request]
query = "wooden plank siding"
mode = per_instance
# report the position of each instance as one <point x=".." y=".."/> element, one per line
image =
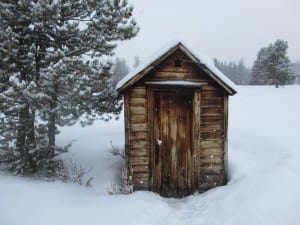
<point x="137" y="141"/>
<point x="212" y="170"/>
<point x="170" y="128"/>
<point x="192" y="123"/>
<point x="225" y="151"/>
<point x="187" y="71"/>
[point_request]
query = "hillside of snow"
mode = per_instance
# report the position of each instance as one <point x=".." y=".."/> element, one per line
<point x="263" y="187"/>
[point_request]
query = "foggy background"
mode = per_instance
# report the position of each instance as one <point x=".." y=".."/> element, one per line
<point x="227" y="30"/>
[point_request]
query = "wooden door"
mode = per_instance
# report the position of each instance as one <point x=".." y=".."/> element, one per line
<point x="172" y="124"/>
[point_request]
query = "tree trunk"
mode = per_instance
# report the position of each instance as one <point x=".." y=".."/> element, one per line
<point x="51" y="126"/>
<point x="21" y="134"/>
<point x="26" y="138"/>
<point x="31" y="131"/>
<point x="51" y="137"/>
<point x="31" y="141"/>
<point x="51" y="134"/>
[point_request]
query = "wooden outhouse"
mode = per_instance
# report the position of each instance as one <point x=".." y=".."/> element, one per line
<point x="176" y="122"/>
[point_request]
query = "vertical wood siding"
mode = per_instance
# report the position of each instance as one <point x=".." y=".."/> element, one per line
<point x="166" y="168"/>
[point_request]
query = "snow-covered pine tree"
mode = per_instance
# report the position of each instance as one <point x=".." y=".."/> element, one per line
<point x="17" y="85"/>
<point x="70" y="43"/>
<point x="76" y="81"/>
<point x="120" y="69"/>
<point x="273" y="66"/>
<point x="237" y="72"/>
<point x="296" y="68"/>
<point x="243" y="73"/>
<point x="259" y="73"/>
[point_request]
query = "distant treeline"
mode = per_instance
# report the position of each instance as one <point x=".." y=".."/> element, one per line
<point x="235" y="71"/>
<point x="271" y="67"/>
<point x="296" y="68"/>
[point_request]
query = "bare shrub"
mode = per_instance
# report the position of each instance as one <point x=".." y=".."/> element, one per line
<point x="74" y="173"/>
<point x="125" y="187"/>
<point x="116" y="151"/>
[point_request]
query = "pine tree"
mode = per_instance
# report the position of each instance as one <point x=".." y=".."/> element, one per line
<point x="119" y="71"/>
<point x="272" y="66"/>
<point x="18" y="77"/>
<point x="243" y="72"/>
<point x="237" y="72"/>
<point x="66" y="72"/>
<point x="296" y="68"/>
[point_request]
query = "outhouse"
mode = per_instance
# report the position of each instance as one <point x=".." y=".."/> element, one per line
<point x="176" y="122"/>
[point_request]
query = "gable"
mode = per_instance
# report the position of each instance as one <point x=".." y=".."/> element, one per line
<point x="186" y="71"/>
<point x="193" y="67"/>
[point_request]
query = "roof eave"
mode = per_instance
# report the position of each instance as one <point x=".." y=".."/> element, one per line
<point x="229" y="90"/>
<point x="139" y="75"/>
<point x="146" y="70"/>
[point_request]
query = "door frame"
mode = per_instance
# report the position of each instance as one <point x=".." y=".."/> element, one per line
<point x="195" y="132"/>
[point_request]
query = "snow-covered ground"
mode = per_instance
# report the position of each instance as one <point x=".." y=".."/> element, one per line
<point x="264" y="164"/>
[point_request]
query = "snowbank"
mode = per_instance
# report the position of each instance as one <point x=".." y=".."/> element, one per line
<point x="264" y="164"/>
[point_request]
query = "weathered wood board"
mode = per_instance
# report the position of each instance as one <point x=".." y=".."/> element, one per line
<point x="176" y="136"/>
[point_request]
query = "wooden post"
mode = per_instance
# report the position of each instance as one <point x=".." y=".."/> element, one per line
<point x="226" y="136"/>
<point x="151" y="126"/>
<point x="196" y="137"/>
<point x="127" y="132"/>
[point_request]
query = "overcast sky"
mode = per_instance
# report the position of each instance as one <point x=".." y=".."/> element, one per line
<point x="225" y="29"/>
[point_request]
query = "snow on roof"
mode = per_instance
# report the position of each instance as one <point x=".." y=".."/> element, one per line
<point x="176" y="83"/>
<point x="201" y="59"/>
<point x="146" y="63"/>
